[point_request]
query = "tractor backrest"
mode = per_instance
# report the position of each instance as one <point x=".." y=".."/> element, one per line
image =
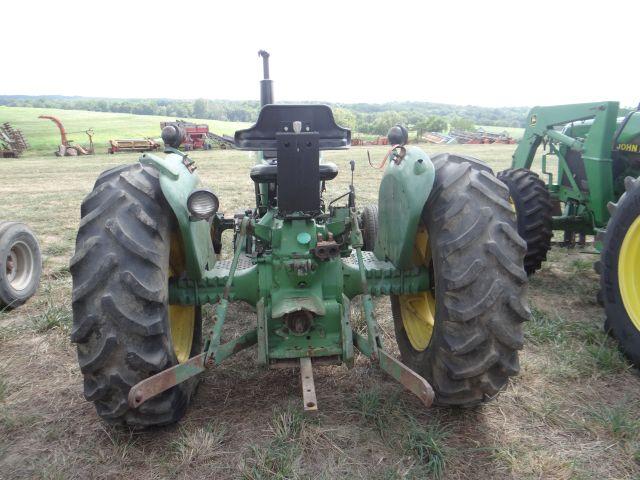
<point x="296" y="134"/>
<point x="274" y="119"/>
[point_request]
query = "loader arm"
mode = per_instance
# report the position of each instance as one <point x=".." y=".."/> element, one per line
<point x="542" y="120"/>
<point x="595" y="148"/>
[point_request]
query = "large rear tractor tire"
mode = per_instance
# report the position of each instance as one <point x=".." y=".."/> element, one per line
<point x="463" y="336"/>
<point x="126" y="249"/>
<point x="534" y="212"/>
<point x="620" y="271"/>
<point x="20" y="264"/>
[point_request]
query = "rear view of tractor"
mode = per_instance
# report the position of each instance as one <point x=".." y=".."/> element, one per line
<point x="442" y="243"/>
<point x="594" y="190"/>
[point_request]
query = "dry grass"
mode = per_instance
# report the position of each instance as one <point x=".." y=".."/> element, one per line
<point x="572" y="413"/>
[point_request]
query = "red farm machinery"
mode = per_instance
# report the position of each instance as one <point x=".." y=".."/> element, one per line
<point x="195" y="134"/>
<point x="198" y="137"/>
<point x="66" y="149"/>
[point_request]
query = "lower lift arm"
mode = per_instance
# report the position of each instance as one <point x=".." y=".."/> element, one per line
<point x="372" y="345"/>
<point x="213" y="354"/>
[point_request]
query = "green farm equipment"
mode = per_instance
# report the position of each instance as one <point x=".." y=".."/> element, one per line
<point x="442" y="242"/>
<point x="594" y="190"/>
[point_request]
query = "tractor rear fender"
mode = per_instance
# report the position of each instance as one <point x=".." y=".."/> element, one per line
<point x="404" y="189"/>
<point x="177" y="182"/>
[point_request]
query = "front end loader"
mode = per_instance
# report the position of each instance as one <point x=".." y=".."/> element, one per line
<point x="594" y="189"/>
<point x="442" y="243"/>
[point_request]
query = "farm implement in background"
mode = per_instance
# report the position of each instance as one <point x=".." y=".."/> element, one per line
<point x="481" y="137"/>
<point x="222" y="141"/>
<point x="591" y="166"/>
<point x="12" y="141"/>
<point x="357" y="142"/>
<point x="195" y="134"/>
<point x="439" y="138"/>
<point x="442" y="243"/>
<point x="66" y="148"/>
<point x="133" y="145"/>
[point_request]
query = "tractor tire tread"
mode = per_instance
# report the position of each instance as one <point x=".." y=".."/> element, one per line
<point x="480" y="286"/>
<point x="369" y="227"/>
<point x="534" y="214"/>
<point x="618" y="322"/>
<point x="119" y="273"/>
<point x="11" y="233"/>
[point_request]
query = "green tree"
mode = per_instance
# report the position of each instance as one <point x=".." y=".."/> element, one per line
<point x="460" y="123"/>
<point x="200" y="108"/>
<point x="345" y="118"/>
<point x="384" y="121"/>
<point x="432" y="123"/>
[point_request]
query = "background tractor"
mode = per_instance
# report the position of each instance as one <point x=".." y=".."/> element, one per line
<point x="594" y="190"/>
<point x="442" y="243"/>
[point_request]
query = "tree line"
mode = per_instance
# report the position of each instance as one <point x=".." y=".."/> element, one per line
<point x="365" y="118"/>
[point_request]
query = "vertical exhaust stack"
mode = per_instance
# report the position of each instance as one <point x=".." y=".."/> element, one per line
<point x="266" y="84"/>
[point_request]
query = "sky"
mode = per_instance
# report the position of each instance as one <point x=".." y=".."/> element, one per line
<point x="490" y="53"/>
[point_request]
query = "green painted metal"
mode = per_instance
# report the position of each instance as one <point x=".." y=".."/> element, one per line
<point x="177" y="182"/>
<point x="382" y="279"/>
<point x="629" y="139"/>
<point x="404" y="189"/>
<point x="232" y="347"/>
<point x="347" y="333"/>
<point x="590" y="130"/>
<point x="171" y="377"/>
<point x="290" y="278"/>
<point x="367" y="304"/>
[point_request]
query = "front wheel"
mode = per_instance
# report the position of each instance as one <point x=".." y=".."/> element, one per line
<point x="620" y="271"/>
<point x="463" y="335"/>
<point x="127" y="248"/>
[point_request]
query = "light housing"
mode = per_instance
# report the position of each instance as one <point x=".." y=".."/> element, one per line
<point x="202" y="204"/>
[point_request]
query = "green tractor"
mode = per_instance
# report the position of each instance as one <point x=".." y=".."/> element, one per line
<point x="595" y="190"/>
<point x="442" y="243"/>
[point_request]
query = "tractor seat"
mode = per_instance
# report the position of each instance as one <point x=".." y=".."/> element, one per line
<point x="267" y="173"/>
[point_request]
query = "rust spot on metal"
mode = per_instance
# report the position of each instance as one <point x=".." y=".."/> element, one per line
<point x="407" y="377"/>
<point x="160" y="382"/>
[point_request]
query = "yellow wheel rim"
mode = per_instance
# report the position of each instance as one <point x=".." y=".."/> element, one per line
<point x="418" y="317"/>
<point x="629" y="272"/>
<point x="419" y="310"/>
<point x="181" y="317"/>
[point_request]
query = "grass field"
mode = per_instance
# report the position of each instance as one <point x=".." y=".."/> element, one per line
<point x="572" y="413"/>
<point x="44" y="136"/>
